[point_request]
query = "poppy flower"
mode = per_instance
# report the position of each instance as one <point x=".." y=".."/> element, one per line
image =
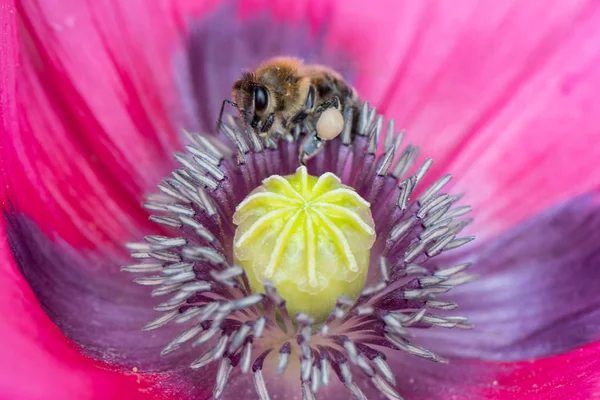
<point x="105" y="102"/>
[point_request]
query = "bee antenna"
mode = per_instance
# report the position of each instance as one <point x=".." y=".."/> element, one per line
<point x="220" y="119"/>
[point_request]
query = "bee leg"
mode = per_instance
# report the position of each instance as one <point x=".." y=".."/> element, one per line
<point x="219" y="120"/>
<point x="333" y="102"/>
<point x="310" y="147"/>
<point x="310" y="99"/>
<point x="308" y="106"/>
<point x="299" y="117"/>
<point x="336" y="102"/>
<point x="268" y="123"/>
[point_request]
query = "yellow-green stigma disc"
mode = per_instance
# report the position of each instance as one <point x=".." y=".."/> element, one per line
<point x="311" y="237"/>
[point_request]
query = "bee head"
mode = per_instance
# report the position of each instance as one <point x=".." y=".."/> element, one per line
<point x="254" y="100"/>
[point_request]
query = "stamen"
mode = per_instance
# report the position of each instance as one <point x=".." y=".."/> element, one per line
<point x="246" y="357"/>
<point x="385" y="388"/>
<point x="223" y="373"/>
<point x="284" y="358"/>
<point x="261" y="387"/>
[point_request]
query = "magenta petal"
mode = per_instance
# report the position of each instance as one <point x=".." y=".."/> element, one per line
<point x="538" y="293"/>
<point x="567" y="376"/>
<point x="500" y="94"/>
<point x="94" y="128"/>
<point x="102" y="81"/>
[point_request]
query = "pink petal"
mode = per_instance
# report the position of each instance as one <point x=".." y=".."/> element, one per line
<point x="501" y="94"/>
<point x="569" y="376"/>
<point x="574" y="375"/>
<point x="39" y="362"/>
<point x="96" y="131"/>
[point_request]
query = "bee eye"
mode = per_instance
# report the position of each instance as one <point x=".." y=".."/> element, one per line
<point x="261" y="98"/>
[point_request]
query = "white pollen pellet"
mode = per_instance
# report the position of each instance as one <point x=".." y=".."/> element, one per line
<point x="330" y="124"/>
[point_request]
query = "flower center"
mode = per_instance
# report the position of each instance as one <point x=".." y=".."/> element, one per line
<point x="311" y="237"/>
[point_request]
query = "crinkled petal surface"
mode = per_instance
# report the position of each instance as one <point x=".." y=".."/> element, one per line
<point x="501" y="94"/>
<point x="95" y="127"/>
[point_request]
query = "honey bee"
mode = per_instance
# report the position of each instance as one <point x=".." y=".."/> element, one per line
<point x="282" y="92"/>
